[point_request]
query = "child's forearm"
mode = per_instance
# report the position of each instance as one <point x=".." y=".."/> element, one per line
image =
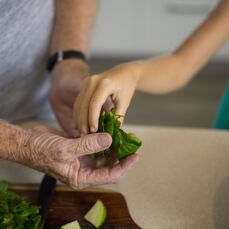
<point x="205" y="41"/>
<point x="172" y="72"/>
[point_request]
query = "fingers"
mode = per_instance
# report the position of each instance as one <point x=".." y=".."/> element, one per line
<point x="99" y="97"/>
<point x="90" y="144"/>
<point x="81" y="104"/>
<point x="96" y="91"/>
<point x="108" y="174"/>
<point x="89" y="103"/>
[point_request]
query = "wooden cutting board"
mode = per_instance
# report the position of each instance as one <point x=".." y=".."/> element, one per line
<point x="68" y="205"/>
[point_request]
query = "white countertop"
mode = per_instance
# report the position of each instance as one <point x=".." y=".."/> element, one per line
<point x="181" y="180"/>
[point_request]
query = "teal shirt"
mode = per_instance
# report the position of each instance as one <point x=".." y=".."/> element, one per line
<point x="222" y="118"/>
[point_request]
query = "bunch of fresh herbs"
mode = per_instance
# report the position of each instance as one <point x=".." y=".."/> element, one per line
<point x="123" y="144"/>
<point x="16" y="212"/>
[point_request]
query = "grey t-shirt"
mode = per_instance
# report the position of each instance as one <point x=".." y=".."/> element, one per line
<point x="25" y="32"/>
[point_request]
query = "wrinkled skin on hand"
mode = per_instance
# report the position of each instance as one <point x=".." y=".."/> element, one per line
<point x="69" y="160"/>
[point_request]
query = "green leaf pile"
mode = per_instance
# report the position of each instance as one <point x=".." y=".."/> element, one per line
<point x="16" y="212"/>
<point x="123" y="144"/>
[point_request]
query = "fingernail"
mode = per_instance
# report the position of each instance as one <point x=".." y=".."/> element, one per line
<point x="104" y="140"/>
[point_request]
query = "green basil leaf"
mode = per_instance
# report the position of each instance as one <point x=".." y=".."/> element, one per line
<point x="123" y="144"/>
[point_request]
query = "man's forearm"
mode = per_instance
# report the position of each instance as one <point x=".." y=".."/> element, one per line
<point x="73" y="24"/>
<point x="12" y="141"/>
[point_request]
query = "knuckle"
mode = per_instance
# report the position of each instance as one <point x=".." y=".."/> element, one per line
<point x="87" y="145"/>
<point x="94" y="77"/>
<point x="105" y="82"/>
<point x="91" y="80"/>
<point x="75" y="146"/>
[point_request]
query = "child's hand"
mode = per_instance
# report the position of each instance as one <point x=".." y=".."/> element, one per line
<point x="119" y="83"/>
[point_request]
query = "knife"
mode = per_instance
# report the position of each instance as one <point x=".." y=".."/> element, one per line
<point x="45" y="196"/>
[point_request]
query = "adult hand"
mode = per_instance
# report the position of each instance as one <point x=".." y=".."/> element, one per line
<point x="67" y="78"/>
<point x="70" y="160"/>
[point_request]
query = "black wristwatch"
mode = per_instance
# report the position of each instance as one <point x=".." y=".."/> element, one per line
<point x="62" y="55"/>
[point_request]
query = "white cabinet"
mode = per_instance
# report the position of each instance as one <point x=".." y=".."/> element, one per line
<point x="146" y="27"/>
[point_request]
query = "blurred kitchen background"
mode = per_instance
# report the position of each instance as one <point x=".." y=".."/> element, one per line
<point x="133" y="29"/>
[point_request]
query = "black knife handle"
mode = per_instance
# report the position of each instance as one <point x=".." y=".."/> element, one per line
<point x="46" y="192"/>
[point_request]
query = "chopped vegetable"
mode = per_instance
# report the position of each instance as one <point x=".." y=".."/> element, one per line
<point x="16" y="212"/>
<point x="97" y="214"/>
<point x="123" y="144"/>
<point x="72" y="225"/>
